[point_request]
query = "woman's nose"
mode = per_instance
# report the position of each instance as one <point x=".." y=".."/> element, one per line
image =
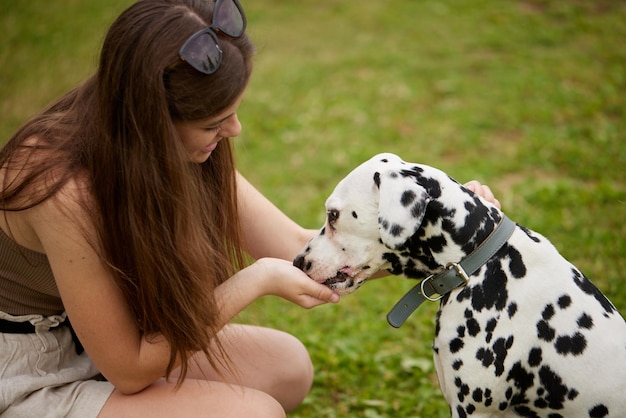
<point x="231" y="127"/>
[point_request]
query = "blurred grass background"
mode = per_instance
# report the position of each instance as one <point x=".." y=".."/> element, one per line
<point x="527" y="96"/>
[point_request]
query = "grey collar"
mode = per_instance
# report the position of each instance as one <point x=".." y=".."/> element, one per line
<point x="435" y="286"/>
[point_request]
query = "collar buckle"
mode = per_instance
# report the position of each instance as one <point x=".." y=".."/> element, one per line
<point x="460" y="273"/>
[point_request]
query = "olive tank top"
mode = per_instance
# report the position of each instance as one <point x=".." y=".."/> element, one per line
<point x="27" y="284"/>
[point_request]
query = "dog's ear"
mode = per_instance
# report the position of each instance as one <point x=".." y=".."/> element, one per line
<point x="401" y="208"/>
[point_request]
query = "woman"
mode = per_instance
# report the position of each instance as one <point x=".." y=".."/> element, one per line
<point x="122" y="211"/>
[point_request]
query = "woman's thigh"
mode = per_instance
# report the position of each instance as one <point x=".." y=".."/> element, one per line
<point x="194" y="398"/>
<point x="270" y="372"/>
<point x="265" y="359"/>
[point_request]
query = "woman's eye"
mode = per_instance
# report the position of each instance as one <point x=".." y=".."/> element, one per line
<point x="213" y="128"/>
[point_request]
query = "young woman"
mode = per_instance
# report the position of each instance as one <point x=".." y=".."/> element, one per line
<point x="122" y="211"/>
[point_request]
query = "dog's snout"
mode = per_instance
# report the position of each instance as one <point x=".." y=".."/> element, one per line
<point x="301" y="263"/>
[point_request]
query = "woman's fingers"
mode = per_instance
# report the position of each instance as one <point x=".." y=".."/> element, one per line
<point x="484" y="191"/>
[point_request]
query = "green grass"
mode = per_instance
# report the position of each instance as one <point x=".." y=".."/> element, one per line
<point x="527" y="96"/>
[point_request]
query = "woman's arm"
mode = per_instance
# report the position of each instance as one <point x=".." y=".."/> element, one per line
<point x="268" y="232"/>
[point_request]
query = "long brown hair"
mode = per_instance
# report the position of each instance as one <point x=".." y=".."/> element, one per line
<point x="167" y="228"/>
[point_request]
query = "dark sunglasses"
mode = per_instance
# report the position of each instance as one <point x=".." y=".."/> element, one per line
<point x="203" y="50"/>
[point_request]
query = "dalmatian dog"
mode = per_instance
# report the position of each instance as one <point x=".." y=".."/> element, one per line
<point x="526" y="334"/>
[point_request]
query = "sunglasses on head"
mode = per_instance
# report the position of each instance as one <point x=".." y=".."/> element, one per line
<point x="203" y="50"/>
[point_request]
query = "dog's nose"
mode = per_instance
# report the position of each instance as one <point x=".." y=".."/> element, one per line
<point x="299" y="262"/>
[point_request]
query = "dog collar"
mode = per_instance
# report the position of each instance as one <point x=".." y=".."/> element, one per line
<point x="436" y="286"/>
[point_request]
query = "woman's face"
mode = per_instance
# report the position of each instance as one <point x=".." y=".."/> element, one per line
<point x="200" y="137"/>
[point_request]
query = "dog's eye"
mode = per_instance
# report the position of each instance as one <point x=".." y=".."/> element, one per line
<point x="333" y="215"/>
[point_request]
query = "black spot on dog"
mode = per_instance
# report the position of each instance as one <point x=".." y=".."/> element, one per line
<point x="564" y="301"/>
<point x="354" y="215"/>
<point x="545" y="331"/>
<point x="556" y="390"/>
<point x="598" y="411"/>
<point x="396" y="265"/>
<point x="485" y="356"/>
<point x="410" y="269"/>
<point x="522" y="380"/>
<point x="432" y="186"/>
<point x="418" y="208"/>
<point x="491" y="326"/>
<point x="473" y="327"/>
<point x="377" y="179"/>
<point x="574" y="344"/>
<point x="516" y="263"/>
<point x="509" y="393"/>
<point x="461" y="412"/>
<point x="541" y="403"/>
<point x="492" y="291"/>
<point x="407" y="198"/>
<point x="464" y="389"/>
<point x="586" y="286"/>
<point x="460" y="331"/>
<point x="512" y="309"/>
<point x="396" y="230"/>
<point x="548" y="312"/>
<point x="529" y="233"/>
<point x="488" y="398"/>
<point x="476" y="227"/>
<point x="477" y="395"/>
<point x="501" y="350"/>
<point x="535" y="357"/>
<point x="436" y="243"/>
<point x="585" y="321"/>
<point x="456" y="344"/>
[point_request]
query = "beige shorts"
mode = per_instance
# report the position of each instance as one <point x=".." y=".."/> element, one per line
<point x="41" y="375"/>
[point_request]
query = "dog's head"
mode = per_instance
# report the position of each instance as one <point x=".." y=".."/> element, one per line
<point x="371" y="213"/>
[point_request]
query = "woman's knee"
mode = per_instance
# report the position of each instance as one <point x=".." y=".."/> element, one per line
<point x="298" y="367"/>
<point x="266" y="359"/>
<point x="293" y="374"/>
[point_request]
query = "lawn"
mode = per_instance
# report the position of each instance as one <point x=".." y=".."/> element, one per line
<point x="526" y="96"/>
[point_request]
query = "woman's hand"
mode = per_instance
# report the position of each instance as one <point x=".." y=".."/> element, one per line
<point x="270" y="276"/>
<point x="484" y="191"/>
<point x="281" y="278"/>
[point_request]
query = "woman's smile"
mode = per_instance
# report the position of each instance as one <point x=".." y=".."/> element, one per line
<point x="201" y="137"/>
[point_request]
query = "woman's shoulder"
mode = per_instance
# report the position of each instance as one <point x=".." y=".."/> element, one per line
<point x="69" y="205"/>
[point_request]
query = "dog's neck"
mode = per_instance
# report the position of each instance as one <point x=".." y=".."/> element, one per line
<point x="456" y="222"/>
